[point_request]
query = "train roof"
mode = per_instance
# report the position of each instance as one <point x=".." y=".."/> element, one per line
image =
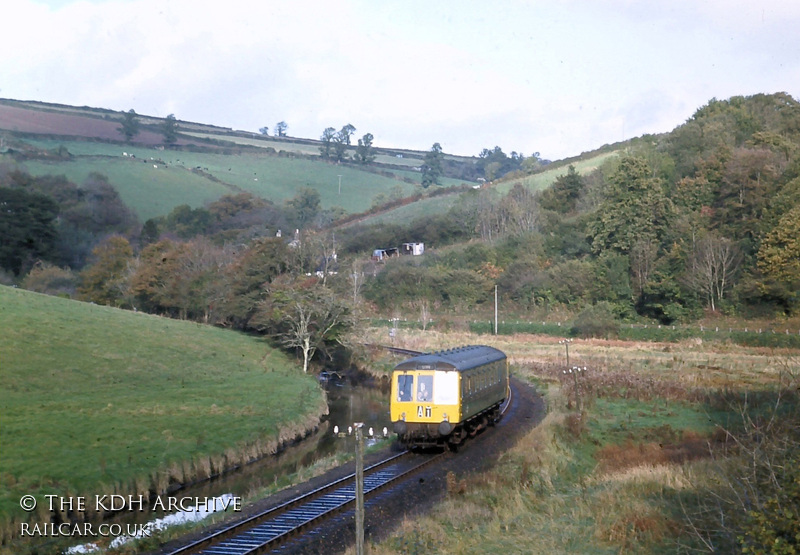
<point x="459" y="359"/>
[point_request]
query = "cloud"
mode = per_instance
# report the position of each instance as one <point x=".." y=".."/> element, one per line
<point x="556" y="78"/>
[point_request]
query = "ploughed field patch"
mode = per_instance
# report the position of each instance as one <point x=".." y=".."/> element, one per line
<point x="24" y="120"/>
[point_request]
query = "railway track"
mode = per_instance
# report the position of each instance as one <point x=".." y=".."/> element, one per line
<point x="395" y="350"/>
<point x="262" y="532"/>
<point x="268" y="529"/>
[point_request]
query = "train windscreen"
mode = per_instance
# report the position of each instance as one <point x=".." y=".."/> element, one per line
<point x="425" y="388"/>
<point x="405" y="385"/>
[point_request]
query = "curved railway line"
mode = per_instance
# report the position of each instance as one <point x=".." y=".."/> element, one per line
<point x="267" y="529"/>
<point x="261" y="532"/>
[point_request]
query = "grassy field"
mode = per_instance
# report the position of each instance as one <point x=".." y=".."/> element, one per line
<point x="155" y="191"/>
<point x="148" y="191"/>
<point x="403" y="215"/>
<point x="300" y="148"/>
<point x="99" y="401"/>
<point x="440" y="205"/>
<point x="632" y="472"/>
<point x="542" y="180"/>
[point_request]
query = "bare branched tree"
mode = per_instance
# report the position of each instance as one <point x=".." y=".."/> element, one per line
<point x="712" y="267"/>
<point x="301" y="316"/>
<point x="643" y="260"/>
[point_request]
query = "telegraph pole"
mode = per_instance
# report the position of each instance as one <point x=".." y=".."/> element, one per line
<point x="359" y="489"/>
<point x="566" y="343"/>
<point x="495" y="309"/>
<point x="357" y="427"/>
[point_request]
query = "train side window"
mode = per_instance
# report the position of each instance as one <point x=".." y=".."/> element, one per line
<point x="425" y="388"/>
<point x="405" y="385"/>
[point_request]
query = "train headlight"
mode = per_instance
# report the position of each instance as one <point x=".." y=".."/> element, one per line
<point x="445" y="418"/>
<point x="403" y="417"/>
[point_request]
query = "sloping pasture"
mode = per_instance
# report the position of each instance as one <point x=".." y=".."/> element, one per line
<point x="150" y="189"/>
<point x="542" y="180"/>
<point x="96" y="400"/>
<point x="156" y="181"/>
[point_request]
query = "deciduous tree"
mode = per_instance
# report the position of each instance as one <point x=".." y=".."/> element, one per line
<point x="346" y="132"/>
<point x="303" y="316"/>
<point x="305" y="206"/>
<point x="432" y="166"/>
<point x="130" y="125"/>
<point x="261" y="263"/>
<point x="712" y="267"/>
<point x="51" y="280"/>
<point x="169" y="129"/>
<point x="365" y="153"/>
<point x="328" y="136"/>
<point x="106" y="280"/>
<point x="779" y="255"/>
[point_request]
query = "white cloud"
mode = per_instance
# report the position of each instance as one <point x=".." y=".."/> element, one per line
<point x="553" y="77"/>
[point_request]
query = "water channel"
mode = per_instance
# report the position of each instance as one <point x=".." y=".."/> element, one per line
<point x="347" y="404"/>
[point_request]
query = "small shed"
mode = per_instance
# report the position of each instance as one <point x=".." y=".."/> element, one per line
<point x="414" y="249"/>
<point x="382" y="254"/>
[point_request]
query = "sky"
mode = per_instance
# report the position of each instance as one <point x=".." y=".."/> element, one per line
<point x="553" y="77"/>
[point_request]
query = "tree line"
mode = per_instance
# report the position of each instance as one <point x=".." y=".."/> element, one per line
<point x="701" y="219"/>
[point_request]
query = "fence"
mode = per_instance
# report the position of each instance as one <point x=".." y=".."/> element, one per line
<point x="747" y="336"/>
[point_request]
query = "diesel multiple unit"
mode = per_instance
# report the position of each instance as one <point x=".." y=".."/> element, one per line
<point x="441" y="398"/>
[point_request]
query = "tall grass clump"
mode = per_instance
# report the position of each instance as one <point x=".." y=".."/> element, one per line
<point x="747" y="497"/>
<point x="556" y="491"/>
<point x="649" y="465"/>
<point x="596" y="321"/>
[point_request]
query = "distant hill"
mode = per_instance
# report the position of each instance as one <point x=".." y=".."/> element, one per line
<point x="59" y="120"/>
<point x="206" y="162"/>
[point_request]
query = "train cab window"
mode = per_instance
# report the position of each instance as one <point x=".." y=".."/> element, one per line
<point x="425" y="388"/>
<point x="405" y="385"/>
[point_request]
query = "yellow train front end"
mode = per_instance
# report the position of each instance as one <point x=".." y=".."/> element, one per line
<point x="425" y="405"/>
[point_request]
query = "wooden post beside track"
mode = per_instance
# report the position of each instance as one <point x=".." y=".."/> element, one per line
<point x="359" y="489"/>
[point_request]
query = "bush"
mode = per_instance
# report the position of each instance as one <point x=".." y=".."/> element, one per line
<point x="50" y="280"/>
<point x="596" y="321"/>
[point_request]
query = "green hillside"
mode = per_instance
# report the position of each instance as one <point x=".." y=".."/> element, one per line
<point x="206" y="162"/>
<point x="543" y="179"/>
<point x="538" y="181"/>
<point x="96" y="400"/>
<point x="195" y="178"/>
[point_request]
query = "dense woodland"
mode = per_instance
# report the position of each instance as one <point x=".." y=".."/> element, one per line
<point x="705" y="218"/>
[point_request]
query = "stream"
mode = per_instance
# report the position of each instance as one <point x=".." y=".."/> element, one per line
<point x="347" y="404"/>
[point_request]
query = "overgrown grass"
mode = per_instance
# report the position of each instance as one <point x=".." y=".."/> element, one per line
<point x="99" y="401"/>
<point x="751" y="338"/>
<point x="403" y="215"/>
<point x="637" y="470"/>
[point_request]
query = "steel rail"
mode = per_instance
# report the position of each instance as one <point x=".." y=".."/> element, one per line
<point x="260" y="531"/>
<point x="269" y="527"/>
